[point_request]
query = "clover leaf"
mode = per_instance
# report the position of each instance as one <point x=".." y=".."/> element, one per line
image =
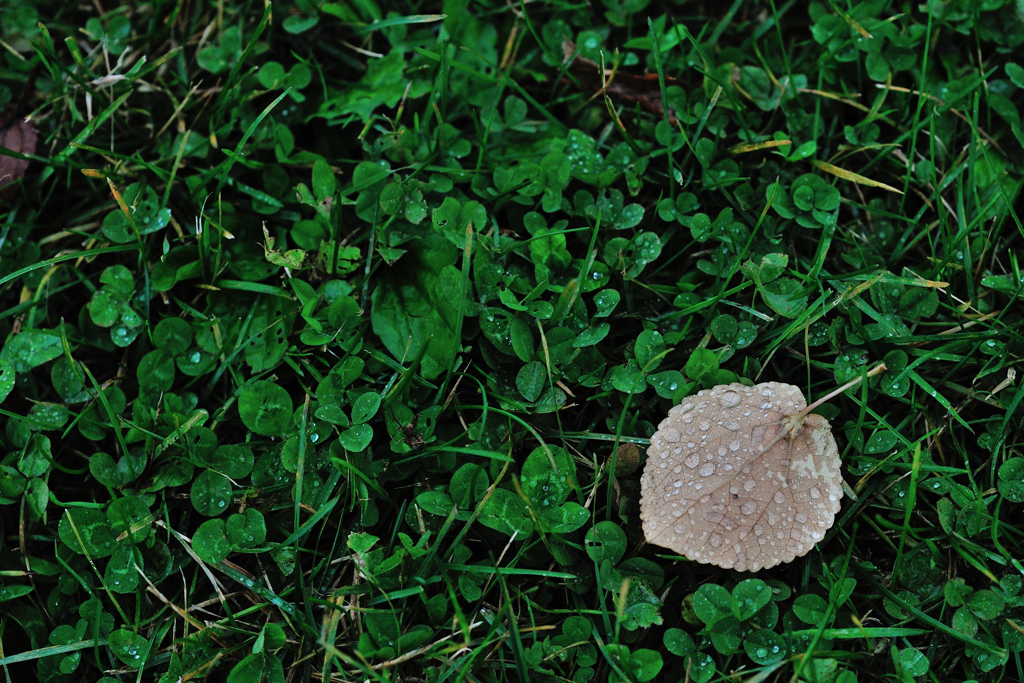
<point x="111" y="306"/>
<point x="146" y="215"/>
<point x="810" y="200"/>
<point x="218" y="59"/>
<point x="265" y="408"/>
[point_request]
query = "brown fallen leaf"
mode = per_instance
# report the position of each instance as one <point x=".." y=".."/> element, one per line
<point x="17" y="135"/>
<point x="644" y="89"/>
<point x="741" y="477"/>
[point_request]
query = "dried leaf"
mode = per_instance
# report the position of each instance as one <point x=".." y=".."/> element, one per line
<point x="632" y="88"/>
<point x="17" y="136"/>
<point x="734" y="477"/>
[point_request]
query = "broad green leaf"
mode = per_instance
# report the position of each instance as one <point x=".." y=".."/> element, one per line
<point x="232" y="460"/>
<point x="210" y="541"/>
<point x="712" y="603"/>
<point x="435" y="502"/>
<point x="156" y="371"/>
<point x="120" y="574"/>
<point x="605" y="541"/>
<point x="566" y="518"/>
<point x="548" y="477"/>
<point x="645" y="664"/>
<point x="469" y="484"/>
<point x="700" y="363"/>
<point x="749" y="596"/>
<point x="667" y="383"/>
<point x="246" y="530"/>
<point x="408" y="311"/>
<point x="785" y="296"/>
<point x="913" y="661"/>
<point x="506" y="512"/>
<point x="1011" y="480"/>
<point x="36" y="458"/>
<point x="531" y="380"/>
<point x="126" y="514"/>
<point x="365" y="407"/>
<point x="265" y="408"/>
<point x="678" y="642"/>
<point x="764" y="646"/>
<point x="86" y="531"/>
<point x="6" y="378"/>
<point x="211" y="493"/>
<point x="356" y="438"/>
<point x="606" y="300"/>
<point x="129" y="647"/>
<point x="173" y="335"/>
<point x="249" y="670"/>
<point x="324" y="182"/>
<point x="592" y="335"/>
<point x="31" y="348"/>
<point x="11" y="592"/>
<point x="361" y="543"/>
<point x="810" y="608"/>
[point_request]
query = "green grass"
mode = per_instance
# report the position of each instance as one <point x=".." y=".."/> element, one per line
<point x="334" y="334"/>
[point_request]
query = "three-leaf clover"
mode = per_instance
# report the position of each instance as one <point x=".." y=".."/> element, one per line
<point x="810" y="200"/>
<point x="111" y="306"/>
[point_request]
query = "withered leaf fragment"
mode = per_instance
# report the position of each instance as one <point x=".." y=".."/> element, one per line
<point x="644" y="89"/>
<point x="17" y="135"/>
